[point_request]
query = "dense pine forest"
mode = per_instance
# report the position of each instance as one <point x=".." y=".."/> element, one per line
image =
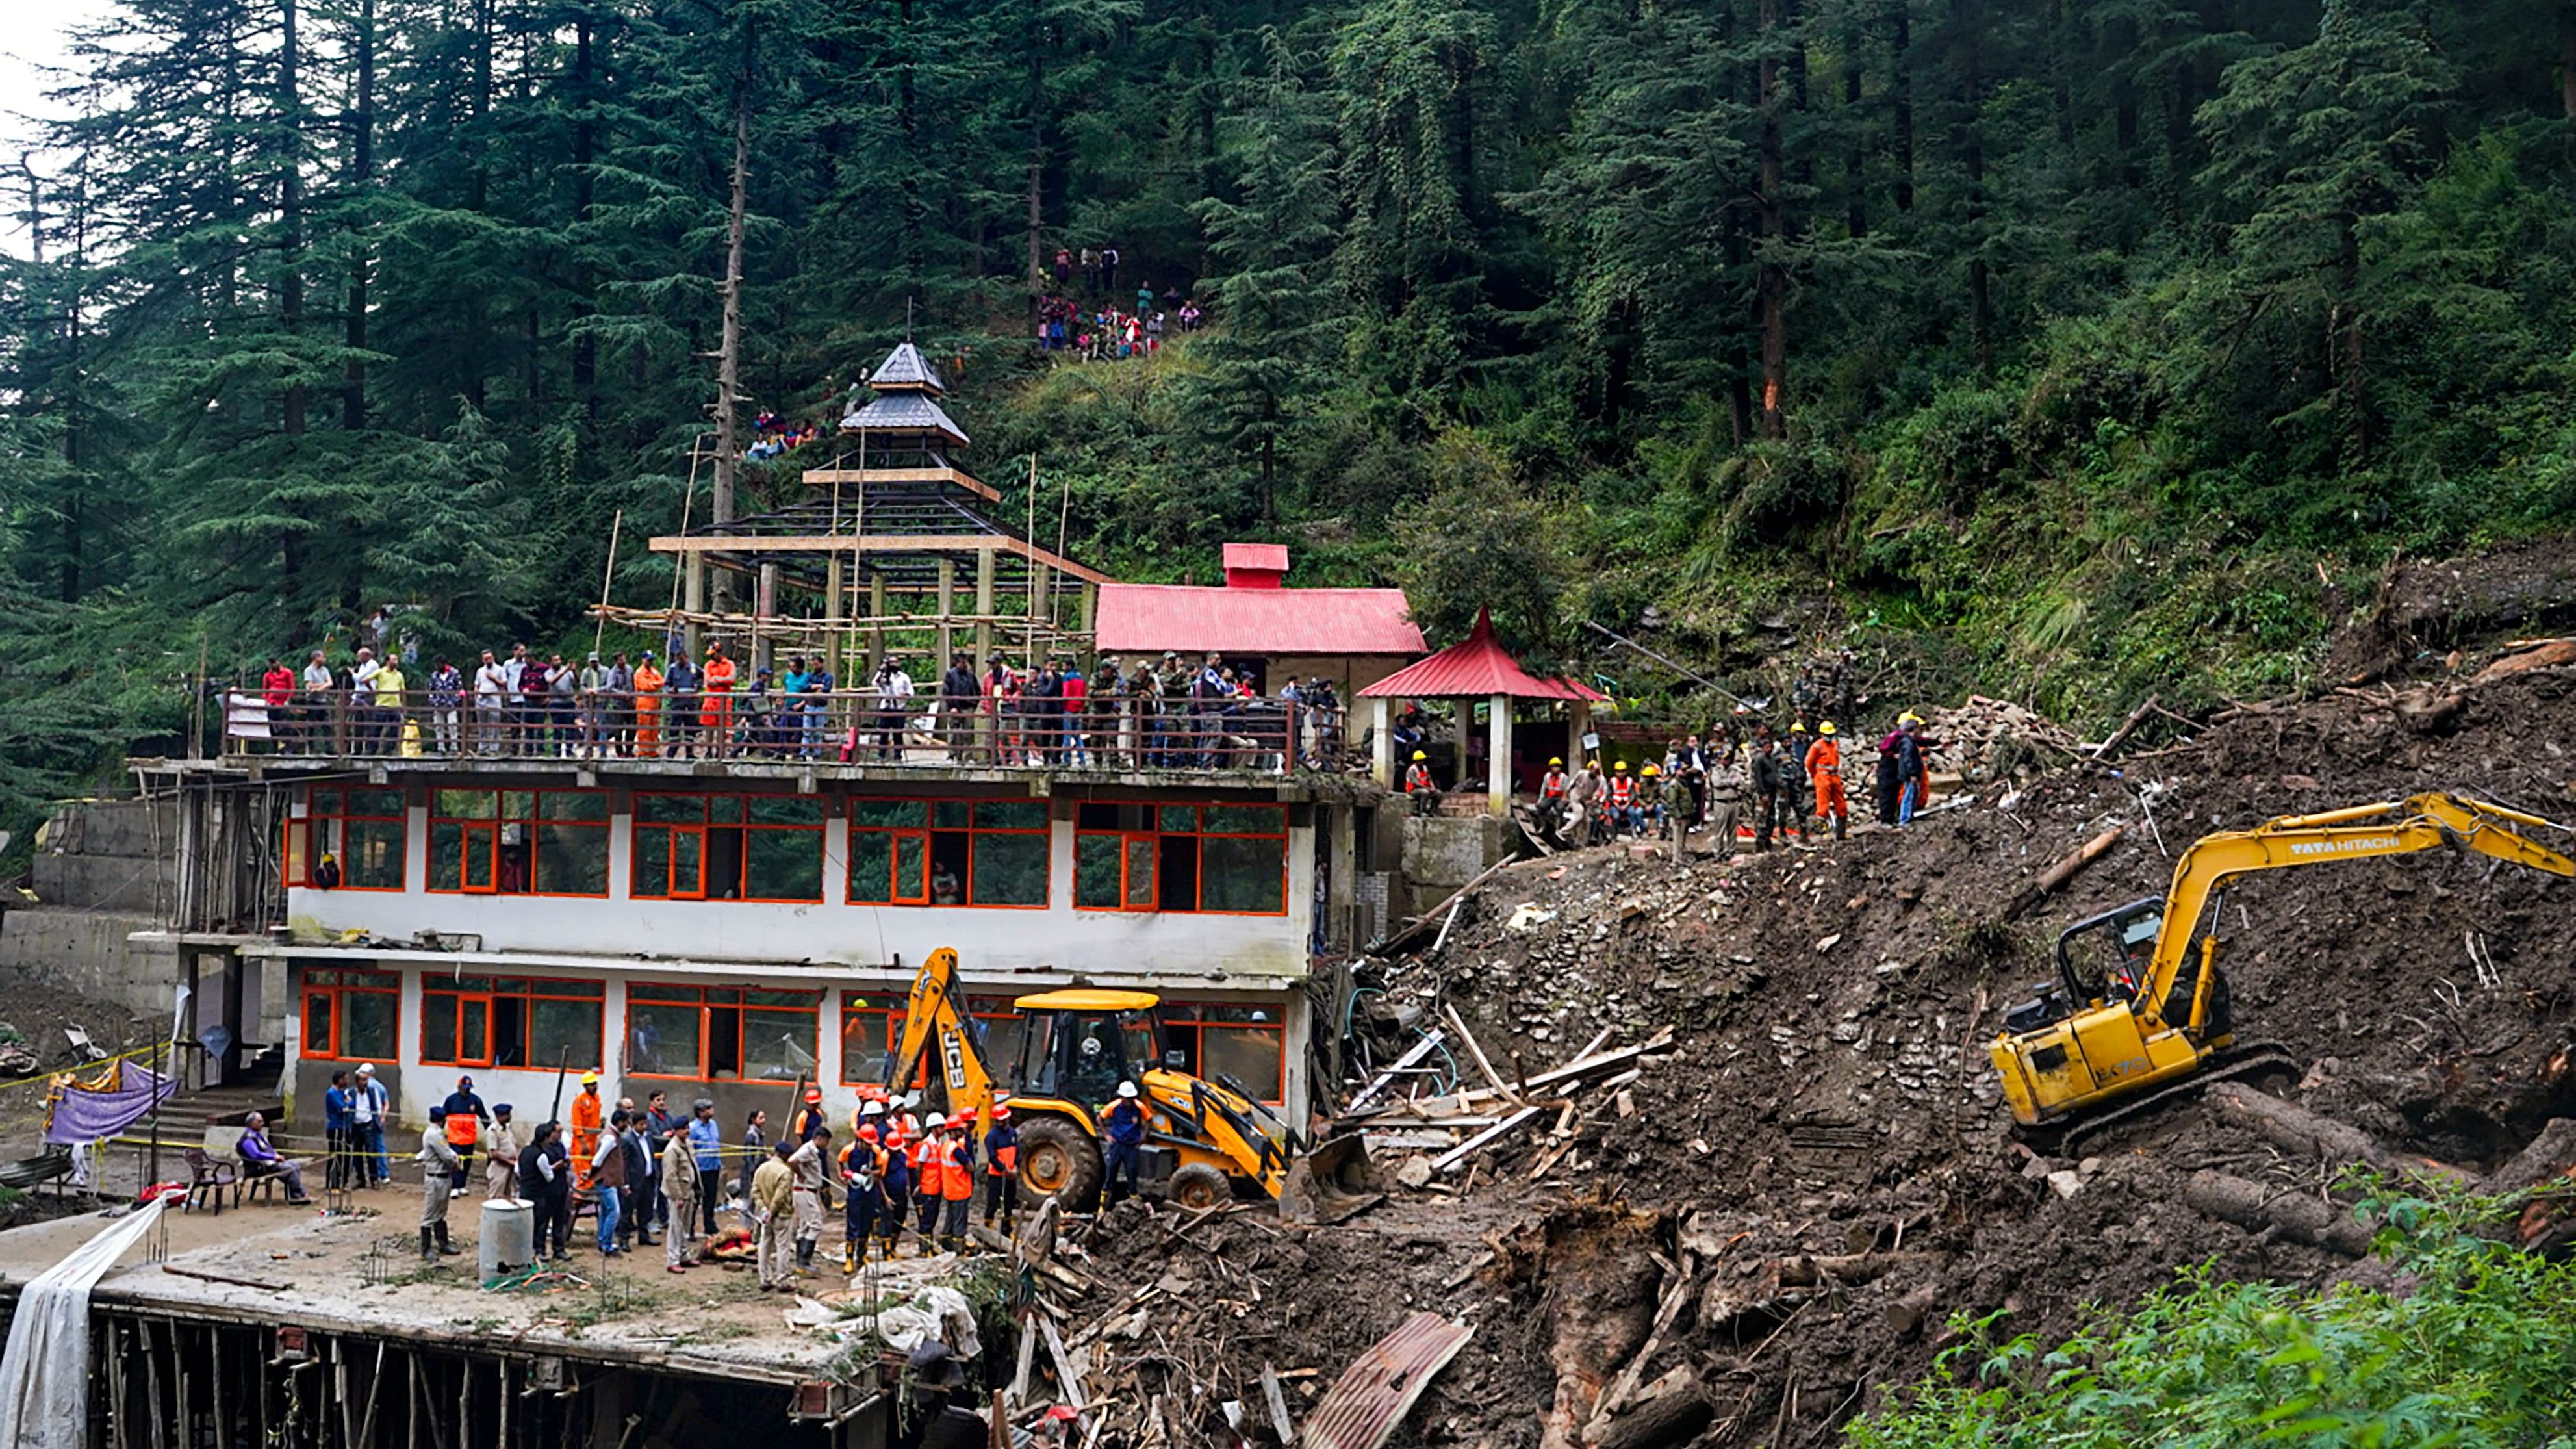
<point x="2084" y="347"/>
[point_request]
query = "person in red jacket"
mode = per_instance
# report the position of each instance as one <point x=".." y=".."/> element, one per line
<point x="956" y="1183"/>
<point x="929" y="1184"/>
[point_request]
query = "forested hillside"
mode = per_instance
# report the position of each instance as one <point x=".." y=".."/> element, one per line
<point x="2084" y="345"/>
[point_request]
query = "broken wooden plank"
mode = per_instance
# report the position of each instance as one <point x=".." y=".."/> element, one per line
<point x="1499" y="1130"/>
<point x="1430" y="1042"/>
<point x="1476" y="1052"/>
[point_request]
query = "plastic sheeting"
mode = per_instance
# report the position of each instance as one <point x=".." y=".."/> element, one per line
<point x="80" y="1111"/>
<point x="44" y="1375"/>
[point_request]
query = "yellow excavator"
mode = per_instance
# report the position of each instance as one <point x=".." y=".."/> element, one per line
<point x="2157" y="1009"/>
<point x="1203" y="1136"/>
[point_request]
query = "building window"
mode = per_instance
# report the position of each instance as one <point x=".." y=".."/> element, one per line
<point x="948" y="853"/>
<point x="1218" y="1041"/>
<point x="510" y="1021"/>
<point x="872" y="1024"/>
<point x="729" y="847"/>
<point x="519" y="842"/>
<point x="721" y="1033"/>
<point x="362" y="831"/>
<point x="1218" y="858"/>
<point x="349" y="1015"/>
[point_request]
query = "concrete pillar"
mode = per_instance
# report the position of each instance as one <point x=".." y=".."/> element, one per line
<point x="693" y="597"/>
<point x="1578" y="723"/>
<point x="836" y="642"/>
<point x="1498" y="755"/>
<point x="983" y="606"/>
<point x="876" y="632"/>
<point x="947" y="607"/>
<point x="1341" y="873"/>
<point x="1381" y="744"/>
<point x="764" y="607"/>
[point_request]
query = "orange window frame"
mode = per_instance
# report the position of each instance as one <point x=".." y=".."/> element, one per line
<point x="306" y="832"/>
<point x="911" y="855"/>
<point x="887" y="1011"/>
<point x="1180" y="1016"/>
<point x="333" y="994"/>
<point x="694" y="998"/>
<point x="531" y="989"/>
<point x="672" y="832"/>
<point x="459" y="1057"/>
<point x="479" y="837"/>
<point x="1150" y="900"/>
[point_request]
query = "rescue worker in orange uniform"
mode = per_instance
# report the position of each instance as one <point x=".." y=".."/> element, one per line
<point x="956" y="1183"/>
<point x="715" y="709"/>
<point x="809" y="1117"/>
<point x="1825" y="773"/>
<point x="929" y="1184"/>
<point x="587" y="1117"/>
<point x="1001" y="1168"/>
<point x="1623" y="798"/>
<point x="1551" y="796"/>
<point x="648" y="708"/>
<point x="1419" y="792"/>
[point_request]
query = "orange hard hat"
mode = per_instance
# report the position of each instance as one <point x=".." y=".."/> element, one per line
<point x="813" y="1095"/>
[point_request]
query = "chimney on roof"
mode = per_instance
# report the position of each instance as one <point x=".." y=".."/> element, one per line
<point x="1256" y="565"/>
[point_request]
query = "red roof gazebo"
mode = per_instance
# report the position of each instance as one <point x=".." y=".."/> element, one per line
<point x="1478" y="667"/>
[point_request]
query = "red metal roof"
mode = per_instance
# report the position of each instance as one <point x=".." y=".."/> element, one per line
<point x="1272" y="556"/>
<point x="1137" y="618"/>
<point x="1475" y="666"/>
<point x="1379" y="1388"/>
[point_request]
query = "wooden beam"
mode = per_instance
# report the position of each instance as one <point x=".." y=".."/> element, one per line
<point x="861" y="477"/>
<point x="943" y="543"/>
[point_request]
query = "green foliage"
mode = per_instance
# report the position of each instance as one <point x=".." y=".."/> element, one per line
<point x="2475" y="1350"/>
<point x="2096" y="330"/>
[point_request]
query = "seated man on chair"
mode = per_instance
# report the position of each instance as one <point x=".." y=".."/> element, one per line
<point x="260" y="1159"/>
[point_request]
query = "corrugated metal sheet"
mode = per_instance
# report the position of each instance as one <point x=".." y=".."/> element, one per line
<point x="1150" y="618"/>
<point x="905" y="367"/>
<point x="1379" y="1388"/>
<point x="1270" y="556"/>
<point x="904" y="412"/>
<point x="1475" y="666"/>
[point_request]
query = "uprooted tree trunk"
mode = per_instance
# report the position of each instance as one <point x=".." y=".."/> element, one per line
<point x="2551" y="1154"/>
<point x="2320" y="1138"/>
<point x="1668" y="1411"/>
<point x="1602" y="1281"/>
<point x="2295" y="1215"/>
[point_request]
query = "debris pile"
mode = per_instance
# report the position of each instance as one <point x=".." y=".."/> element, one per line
<point x="1775" y="1221"/>
<point x="1996" y="739"/>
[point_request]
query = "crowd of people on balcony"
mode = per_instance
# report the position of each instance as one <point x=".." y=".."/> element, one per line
<point x="1136" y="714"/>
<point x="774" y="436"/>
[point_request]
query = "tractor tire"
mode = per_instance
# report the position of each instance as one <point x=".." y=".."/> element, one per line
<point x="1058" y="1159"/>
<point x="1197" y="1185"/>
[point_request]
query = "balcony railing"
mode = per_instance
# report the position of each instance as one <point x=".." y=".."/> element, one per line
<point x="850" y="727"/>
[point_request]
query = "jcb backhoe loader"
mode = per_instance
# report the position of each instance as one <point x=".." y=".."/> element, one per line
<point x="1080" y="1044"/>
<point x="2158" y="1011"/>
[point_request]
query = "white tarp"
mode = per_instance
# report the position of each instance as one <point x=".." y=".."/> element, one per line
<point x="44" y="1375"/>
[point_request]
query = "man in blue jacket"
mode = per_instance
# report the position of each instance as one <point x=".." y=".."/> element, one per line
<point x="706" y="1149"/>
<point x="1122" y="1126"/>
<point x="337" y="1124"/>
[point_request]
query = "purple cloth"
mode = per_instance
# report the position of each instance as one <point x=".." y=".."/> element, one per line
<point x="82" y="1115"/>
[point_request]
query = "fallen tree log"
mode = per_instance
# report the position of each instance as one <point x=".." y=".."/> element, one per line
<point x="1905" y="1314"/>
<point x="1668" y="1411"/>
<point x="2127" y="727"/>
<point x="2551" y="1154"/>
<point x="2313" y="1135"/>
<point x="2254" y="1205"/>
<point x="2062" y="872"/>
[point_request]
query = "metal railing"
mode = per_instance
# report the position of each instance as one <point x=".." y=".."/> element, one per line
<point x="861" y="727"/>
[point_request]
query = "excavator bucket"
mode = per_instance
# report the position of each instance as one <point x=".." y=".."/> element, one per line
<point x="1334" y="1181"/>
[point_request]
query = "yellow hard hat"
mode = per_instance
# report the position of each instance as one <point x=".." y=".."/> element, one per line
<point x="1826" y="728"/>
<point x="590" y="1079"/>
<point x="1556" y="759"/>
<point x="1623" y="764"/>
<point x="1650" y="770"/>
<point x="1909" y="717"/>
<point x="1417" y="754"/>
<point x="1799" y="728"/>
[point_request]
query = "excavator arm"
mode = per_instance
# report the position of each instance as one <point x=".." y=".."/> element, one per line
<point x="2064" y="1054"/>
<point x="2423" y="822"/>
<point x="933" y="1017"/>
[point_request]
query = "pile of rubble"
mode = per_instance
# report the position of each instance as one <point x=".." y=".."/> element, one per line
<point x="1996" y="739"/>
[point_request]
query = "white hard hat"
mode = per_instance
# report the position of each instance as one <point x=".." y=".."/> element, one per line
<point x="1126" y="1089"/>
<point x="873" y="1109"/>
<point x="937" y="1121"/>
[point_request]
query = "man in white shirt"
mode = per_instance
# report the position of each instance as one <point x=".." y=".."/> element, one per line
<point x="358" y="721"/>
<point x="491" y="692"/>
<point x="313" y="724"/>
